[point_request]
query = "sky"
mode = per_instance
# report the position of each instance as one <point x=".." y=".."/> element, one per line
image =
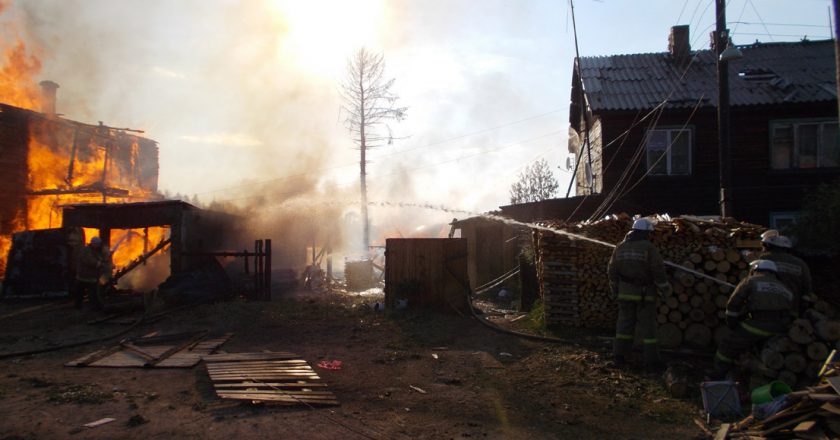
<point x="243" y="96"/>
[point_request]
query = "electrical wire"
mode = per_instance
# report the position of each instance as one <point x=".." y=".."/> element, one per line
<point x="308" y="173"/>
<point x="651" y="167"/>
<point x="757" y="14"/>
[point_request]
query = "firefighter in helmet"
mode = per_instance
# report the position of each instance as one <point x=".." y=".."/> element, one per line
<point x="636" y="272"/>
<point x="793" y="272"/>
<point x="89" y="268"/>
<point x="760" y="307"/>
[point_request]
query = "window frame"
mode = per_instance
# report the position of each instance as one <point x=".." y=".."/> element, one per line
<point x="670" y="140"/>
<point x="776" y="216"/>
<point x="794" y="124"/>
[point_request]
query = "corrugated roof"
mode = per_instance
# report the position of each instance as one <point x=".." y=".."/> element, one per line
<point x="775" y="73"/>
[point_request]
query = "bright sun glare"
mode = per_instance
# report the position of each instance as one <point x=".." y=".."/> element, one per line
<point x="321" y="34"/>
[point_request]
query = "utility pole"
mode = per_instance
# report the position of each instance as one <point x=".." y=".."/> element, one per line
<point x="721" y="41"/>
<point x="836" y="52"/>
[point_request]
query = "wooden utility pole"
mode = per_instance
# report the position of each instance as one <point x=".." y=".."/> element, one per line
<point x="724" y="157"/>
<point x="836" y="54"/>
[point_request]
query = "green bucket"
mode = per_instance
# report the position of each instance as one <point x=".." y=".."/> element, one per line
<point x="767" y="393"/>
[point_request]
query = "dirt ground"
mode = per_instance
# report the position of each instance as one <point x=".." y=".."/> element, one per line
<point x="481" y="384"/>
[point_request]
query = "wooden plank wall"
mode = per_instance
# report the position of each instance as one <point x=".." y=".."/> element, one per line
<point x="428" y="272"/>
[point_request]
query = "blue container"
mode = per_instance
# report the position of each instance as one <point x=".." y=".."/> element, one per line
<point x="720" y="399"/>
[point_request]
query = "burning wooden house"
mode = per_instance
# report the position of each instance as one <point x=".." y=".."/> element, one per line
<point x="48" y="162"/>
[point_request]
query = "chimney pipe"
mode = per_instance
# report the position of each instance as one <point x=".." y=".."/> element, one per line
<point x="48" y="93"/>
<point x="678" y="43"/>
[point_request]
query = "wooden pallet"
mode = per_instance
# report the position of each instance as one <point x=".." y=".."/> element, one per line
<point x="183" y="350"/>
<point x="279" y="378"/>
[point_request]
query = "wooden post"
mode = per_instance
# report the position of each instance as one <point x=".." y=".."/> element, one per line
<point x="724" y="156"/>
<point x="267" y="296"/>
<point x="247" y="272"/>
<point x="145" y="242"/>
<point x="176" y="247"/>
<point x="105" y="236"/>
<point x="257" y="267"/>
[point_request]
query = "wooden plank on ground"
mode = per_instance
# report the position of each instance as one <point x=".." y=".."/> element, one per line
<point x="159" y="351"/>
<point x="723" y="432"/>
<point x="267" y="377"/>
<point x="264" y="356"/>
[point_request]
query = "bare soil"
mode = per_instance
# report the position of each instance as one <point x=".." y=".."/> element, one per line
<point x="478" y="383"/>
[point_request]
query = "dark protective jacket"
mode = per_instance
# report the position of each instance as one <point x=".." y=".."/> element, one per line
<point x="90" y="264"/>
<point x="636" y="269"/>
<point x="762" y="304"/>
<point x="793" y="273"/>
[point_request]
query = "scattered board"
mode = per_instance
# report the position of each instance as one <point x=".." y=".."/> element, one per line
<point x="279" y="378"/>
<point x="181" y="350"/>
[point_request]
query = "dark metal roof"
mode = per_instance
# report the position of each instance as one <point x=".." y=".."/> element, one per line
<point x="774" y="73"/>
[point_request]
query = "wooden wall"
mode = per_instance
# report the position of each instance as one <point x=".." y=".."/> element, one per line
<point x="428" y="272"/>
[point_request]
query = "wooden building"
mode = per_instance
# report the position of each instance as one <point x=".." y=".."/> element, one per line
<point x="492" y="246"/>
<point x="653" y="137"/>
<point x="48" y="161"/>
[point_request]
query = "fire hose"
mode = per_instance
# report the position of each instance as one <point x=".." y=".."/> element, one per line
<point x="134" y="325"/>
<point x="530" y="336"/>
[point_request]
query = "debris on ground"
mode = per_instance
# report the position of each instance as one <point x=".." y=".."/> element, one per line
<point x="175" y="350"/>
<point x="136" y="420"/>
<point x="811" y="413"/>
<point x="330" y="365"/>
<point x="99" y="422"/>
<point x="279" y="378"/>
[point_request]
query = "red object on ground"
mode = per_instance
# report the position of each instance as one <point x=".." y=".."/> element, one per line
<point x="330" y="365"/>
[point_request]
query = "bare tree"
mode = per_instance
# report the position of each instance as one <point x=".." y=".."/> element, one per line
<point x="535" y="183"/>
<point x="368" y="104"/>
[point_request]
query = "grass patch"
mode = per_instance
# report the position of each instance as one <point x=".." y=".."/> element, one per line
<point x="536" y="317"/>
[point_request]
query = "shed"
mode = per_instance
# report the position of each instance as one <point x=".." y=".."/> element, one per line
<point x="428" y="273"/>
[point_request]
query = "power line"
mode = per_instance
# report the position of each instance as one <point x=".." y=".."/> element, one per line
<point x="781" y="24"/>
<point x="376" y="176"/>
<point x="741" y="15"/>
<point x="760" y="19"/>
<point x="303" y="174"/>
<point x="681" y="12"/>
<point x="820" y="37"/>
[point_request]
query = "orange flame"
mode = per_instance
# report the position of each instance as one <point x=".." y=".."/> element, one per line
<point x="17" y="86"/>
<point x="64" y="157"/>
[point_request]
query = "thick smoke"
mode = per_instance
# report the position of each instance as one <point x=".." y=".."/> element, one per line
<point x="235" y="115"/>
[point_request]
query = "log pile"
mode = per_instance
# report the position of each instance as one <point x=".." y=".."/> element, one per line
<point x="575" y="289"/>
<point x="811" y="413"/>
<point x="796" y="358"/>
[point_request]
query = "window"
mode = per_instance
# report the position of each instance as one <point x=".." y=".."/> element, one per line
<point x="783" y="221"/>
<point x="669" y="152"/>
<point x="802" y="145"/>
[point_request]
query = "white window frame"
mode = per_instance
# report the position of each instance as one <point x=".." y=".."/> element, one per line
<point x="671" y="132"/>
<point x="795" y="125"/>
<point x="775" y="217"/>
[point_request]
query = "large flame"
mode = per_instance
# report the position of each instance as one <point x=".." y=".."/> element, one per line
<point x="69" y="162"/>
<point x="16" y="85"/>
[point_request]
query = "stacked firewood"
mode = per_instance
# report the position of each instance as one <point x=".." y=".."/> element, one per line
<point x="575" y="288"/>
<point x="796" y="358"/>
<point x="813" y="412"/>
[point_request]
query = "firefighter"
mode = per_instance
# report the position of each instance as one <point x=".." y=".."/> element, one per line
<point x="792" y="271"/>
<point x="760" y="307"/>
<point x="90" y="266"/>
<point x="636" y="272"/>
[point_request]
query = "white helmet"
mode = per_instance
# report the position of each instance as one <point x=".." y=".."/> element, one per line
<point x="769" y="233"/>
<point x="764" y="265"/>
<point x="642" y="224"/>
<point x="95" y="241"/>
<point x="777" y="240"/>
